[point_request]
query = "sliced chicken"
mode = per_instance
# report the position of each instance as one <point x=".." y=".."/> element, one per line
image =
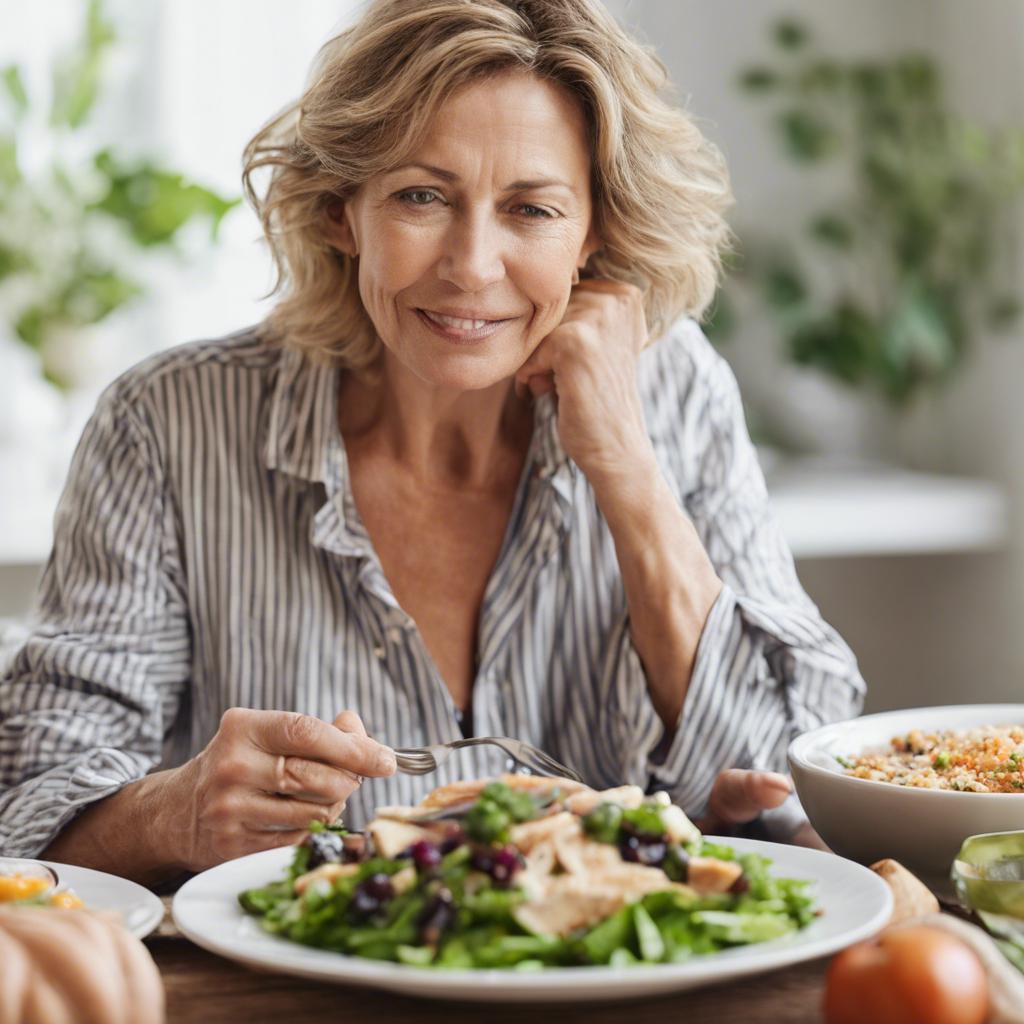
<point x="580" y="856"/>
<point x="570" y="902"/>
<point x="330" y="872"/>
<point x="391" y="837"/>
<point x="527" y="835"/>
<point x="585" y="801"/>
<point x="678" y="826"/>
<point x="707" y="874"/>
<point x="456" y="792"/>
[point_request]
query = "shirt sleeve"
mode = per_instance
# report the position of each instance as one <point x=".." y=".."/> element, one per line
<point x="768" y="667"/>
<point x="87" y="700"/>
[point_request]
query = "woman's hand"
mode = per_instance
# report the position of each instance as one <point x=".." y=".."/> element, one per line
<point x="74" y="966"/>
<point x="739" y="796"/>
<point x="261" y="780"/>
<point x="590" y="361"/>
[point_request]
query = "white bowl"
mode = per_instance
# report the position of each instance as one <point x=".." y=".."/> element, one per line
<point x="868" y="821"/>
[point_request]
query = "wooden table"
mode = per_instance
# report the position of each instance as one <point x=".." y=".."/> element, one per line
<point x="207" y="989"/>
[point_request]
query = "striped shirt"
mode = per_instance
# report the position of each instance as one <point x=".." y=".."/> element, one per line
<point x="208" y="553"/>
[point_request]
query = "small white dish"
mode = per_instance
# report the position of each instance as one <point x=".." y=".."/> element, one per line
<point x="855" y="903"/>
<point x="140" y="910"/>
<point x="868" y="821"/>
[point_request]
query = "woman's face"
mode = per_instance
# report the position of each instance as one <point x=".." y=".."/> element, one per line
<point x="467" y="251"/>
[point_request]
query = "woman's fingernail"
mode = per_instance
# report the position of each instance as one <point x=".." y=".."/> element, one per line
<point x="776" y="781"/>
<point x="386" y="763"/>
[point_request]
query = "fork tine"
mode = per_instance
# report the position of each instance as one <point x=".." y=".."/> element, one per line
<point x="549" y="764"/>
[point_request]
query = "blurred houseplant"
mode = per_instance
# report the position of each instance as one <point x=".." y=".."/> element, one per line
<point x="74" y="224"/>
<point x="885" y="287"/>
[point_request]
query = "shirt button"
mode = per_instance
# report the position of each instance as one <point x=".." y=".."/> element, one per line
<point x="395" y="635"/>
<point x="379" y="652"/>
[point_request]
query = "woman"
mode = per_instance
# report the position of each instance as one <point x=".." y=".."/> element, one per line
<point x="452" y="484"/>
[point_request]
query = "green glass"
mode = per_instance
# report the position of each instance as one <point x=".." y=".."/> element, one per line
<point x="988" y="874"/>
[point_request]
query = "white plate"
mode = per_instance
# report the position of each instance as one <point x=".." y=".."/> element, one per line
<point x="856" y="904"/>
<point x="140" y="910"/>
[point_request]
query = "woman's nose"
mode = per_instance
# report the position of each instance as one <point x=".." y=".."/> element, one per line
<point x="474" y="254"/>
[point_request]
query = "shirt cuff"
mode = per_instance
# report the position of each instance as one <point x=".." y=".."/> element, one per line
<point x="32" y="813"/>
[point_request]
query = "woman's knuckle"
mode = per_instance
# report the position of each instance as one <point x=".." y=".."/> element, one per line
<point x="296" y="775"/>
<point x="300" y="729"/>
<point x="234" y="769"/>
<point x="231" y="720"/>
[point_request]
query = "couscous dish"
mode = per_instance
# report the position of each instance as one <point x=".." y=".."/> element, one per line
<point x="984" y="759"/>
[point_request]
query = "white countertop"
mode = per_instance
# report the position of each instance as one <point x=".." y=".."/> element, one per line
<point x="827" y="509"/>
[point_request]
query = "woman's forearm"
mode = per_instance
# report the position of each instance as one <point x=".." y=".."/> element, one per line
<point x="669" y="580"/>
<point x="125" y="834"/>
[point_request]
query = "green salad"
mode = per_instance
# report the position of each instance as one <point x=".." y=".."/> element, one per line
<point x="526" y="874"/>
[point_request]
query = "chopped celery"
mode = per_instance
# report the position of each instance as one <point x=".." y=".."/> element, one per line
<point x="648" y="937"/>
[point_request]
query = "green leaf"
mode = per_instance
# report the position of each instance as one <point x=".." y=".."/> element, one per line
<point x="784" y="288"/>
<point x="31" y="326"/>
<point x="789" y="34"/>
<point x="833" y="230"/>
<point x="917" y="343"/>
<point x="155" y="203"/>
<point x="822" y="76"/>
<point x="759" y="80"/>
<point x="806" y="136"/>
<point x="721" y="318"/>
<point x="1004" y="311"/>
<point x="841" y="343"/>
<point x="919" y="77"/>
<point x="95" y="294"/>
<point x="15" y="86"/>
<point x="77" y="78"/>
<point x="10" y="174"/>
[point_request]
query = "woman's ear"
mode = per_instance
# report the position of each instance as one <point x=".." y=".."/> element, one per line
<point x="339" y="231"/>
<point x="591" y="244"/>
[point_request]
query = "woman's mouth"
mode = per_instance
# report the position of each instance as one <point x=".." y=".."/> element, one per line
<point x="460" y="329"/>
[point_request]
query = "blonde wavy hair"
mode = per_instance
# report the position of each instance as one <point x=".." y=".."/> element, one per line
<point x="659" y="187"/>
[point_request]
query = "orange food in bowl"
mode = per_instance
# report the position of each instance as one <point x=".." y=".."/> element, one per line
<point x="66" y="900"/>
<point x="21" y="887"/>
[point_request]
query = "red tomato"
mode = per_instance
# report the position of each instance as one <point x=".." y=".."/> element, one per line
<point x="907" y="976"/>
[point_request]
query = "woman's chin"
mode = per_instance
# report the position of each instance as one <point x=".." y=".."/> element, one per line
<point x="465" y="374"/>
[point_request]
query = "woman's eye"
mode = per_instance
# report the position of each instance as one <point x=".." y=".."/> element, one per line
<point x="418" y="197"/>
<point x="535" y="212"/>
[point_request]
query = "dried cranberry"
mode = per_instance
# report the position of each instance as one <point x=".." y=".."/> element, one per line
<point x="505" y="864"/>
<point x="425" y="854"/>
<point x="740" y="886"/>
<point x="380" y="886"/>
<point x="482" y="859"/>
<point x="371" y="894"/>
<point x="454" y="838"/>
<point x="363" y="904"/>
<point x="636" y="851"/>
<point x="438" y="915"/>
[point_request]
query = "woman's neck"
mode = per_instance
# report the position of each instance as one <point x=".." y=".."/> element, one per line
<point x="440" y="437"/>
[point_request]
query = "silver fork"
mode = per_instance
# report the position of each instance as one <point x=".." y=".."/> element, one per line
<point x="424" y="760"/>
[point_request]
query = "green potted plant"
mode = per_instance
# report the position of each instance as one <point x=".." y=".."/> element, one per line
<point x="886" y="287"/>
<point x="74" y="225"/>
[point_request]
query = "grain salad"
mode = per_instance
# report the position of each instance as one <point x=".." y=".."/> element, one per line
<point x="985" y="759"/>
